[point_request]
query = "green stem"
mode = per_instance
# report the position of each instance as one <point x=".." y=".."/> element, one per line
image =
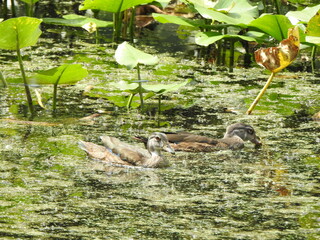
<point x="231" y="55"/>
<point x="313" y="58"/>
<point x="5" y="9"/>
<point x="255" y="102"/>
<point x="26" y="86"/>
<point x="3" y="80"/>
<point x="130" y="101"/>
<point x="159" y="109"/>
<point x="140" y="87"/>
<point x="224" y="48"/>
<point x="132" y="25"/>
<point x="13" y="8"/>
<point x="276" y="3"/>
<point x="55" y="93"/>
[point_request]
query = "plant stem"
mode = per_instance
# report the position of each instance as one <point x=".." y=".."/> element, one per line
<point x="313" y="59"/>
<point x="276" y="3"/>
<point x="55" y="92"/>
<point x="130" y="101"/>
<point x="255" y="102"/>
<point x="3" y="80"/>
<point x="159" y="109"/>
<point x="231" y="55"/>
<point x="140" y="86"/>
<point x="13" y="9"/>
<point x="131" y="24"/>
<point x="26" y="86"/>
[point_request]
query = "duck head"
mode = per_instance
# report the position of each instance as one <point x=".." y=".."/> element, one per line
<point x="157" y="142"/>
<point x="243" y="131"/>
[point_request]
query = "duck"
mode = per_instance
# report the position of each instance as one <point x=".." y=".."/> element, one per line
<point x="116" y="152"/>
<point x="234" y="138"/>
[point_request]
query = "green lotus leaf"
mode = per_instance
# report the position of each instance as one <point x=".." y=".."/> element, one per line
<point x="19" y="32"/>
<point x="274" y="25"/>
<point x="164" y="18"/>
<point x="30" y="2"/>
<point x="130" y="56"/>
<point x="313" y="28"/>
<point x="207" y="38"/>
<point x="111" y="5"/>
<point x="74" y="20"/>
<point x="65" y="74"/>
<point x="304" y="15"/>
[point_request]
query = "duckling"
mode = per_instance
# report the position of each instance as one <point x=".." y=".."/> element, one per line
<point x="234" y="138"/>
<point x="117" y="152"/>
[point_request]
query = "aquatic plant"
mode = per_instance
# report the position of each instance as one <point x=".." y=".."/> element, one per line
<point x="277" y="58"/>
<point x="309" y="17"/>
<point x="20" y="33"/>
<point x="117" y="8"/>
<point x="3" y="80"/>
<point x="73" y="20"/>
<point x="65" y="74"/>
<point x="131" y="57"/>
<point x="218" y="18"/>
<point x="30" y="6"/>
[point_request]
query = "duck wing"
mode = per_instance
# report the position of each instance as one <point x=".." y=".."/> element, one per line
<point x="188" y="137"/>
<point x="131" y="154"/>
<point x="101" y="153"/>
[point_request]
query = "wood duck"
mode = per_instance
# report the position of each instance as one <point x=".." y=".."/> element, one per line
<point x="234" y="138"/>
<point x="117" y="152"/>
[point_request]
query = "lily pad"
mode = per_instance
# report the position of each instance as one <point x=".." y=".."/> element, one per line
<point x="130" y="56"/>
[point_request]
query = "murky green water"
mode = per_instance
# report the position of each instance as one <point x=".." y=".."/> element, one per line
<point x="51" y="190"/>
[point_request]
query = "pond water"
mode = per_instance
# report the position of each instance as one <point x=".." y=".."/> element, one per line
<point x="50" y="189"/>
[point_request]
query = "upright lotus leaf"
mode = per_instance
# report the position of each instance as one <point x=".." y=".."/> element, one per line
<point x="19" y="33"/>
<point x="207" y="38"/>
<point x="30" y="2"/>
<point x="65" y="74"/>
<point x="164" y="18"/>
<point x="240" y="9"/>
<point x="304" y="15"/>
<point x="276" y="26"/>
<point x="131" y="57"/>
<point x="74" y="20"/>
<point x="238" y="13"/>
<point x="114" y="6"/>
<point x="218" y="16"/>
<point x="313" y="30"/>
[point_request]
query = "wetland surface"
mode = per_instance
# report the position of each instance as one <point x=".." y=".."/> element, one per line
<point x="51" y="190"/>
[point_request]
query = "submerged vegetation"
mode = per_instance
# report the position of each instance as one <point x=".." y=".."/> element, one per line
<point x="132" y="67"/>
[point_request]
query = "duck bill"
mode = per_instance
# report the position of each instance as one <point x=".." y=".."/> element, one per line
<point x="169" y="149"/>
<point x="256" y="141"/>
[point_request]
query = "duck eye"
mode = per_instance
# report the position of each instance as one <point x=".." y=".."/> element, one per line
<point x="250" y="131"/>
<point x="158" y="139"/>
